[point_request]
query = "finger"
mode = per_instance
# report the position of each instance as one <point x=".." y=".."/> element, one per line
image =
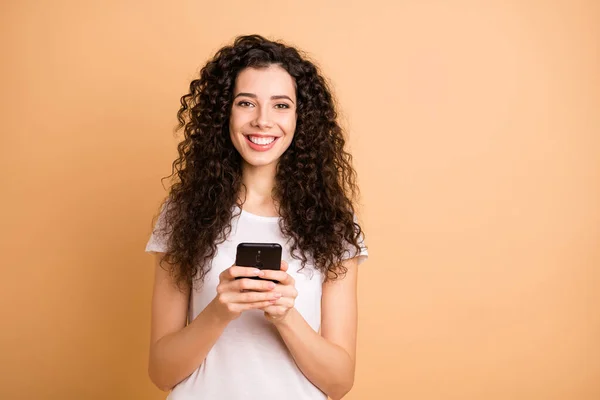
<point x="284" y="266"/>
<point x="281" y="276"/>
<point x="236" y="271"/>
<point x="256" y="305"/>
<point x="284" y="302"/>
<point x="269" y="309"/>
<point x="288" y="292"/>
<point x="254" y="297"/>
<point x="274" y="310"/>
<point x="245" y="284"/>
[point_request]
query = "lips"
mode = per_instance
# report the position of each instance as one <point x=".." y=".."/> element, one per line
<point x="260" y="147"/>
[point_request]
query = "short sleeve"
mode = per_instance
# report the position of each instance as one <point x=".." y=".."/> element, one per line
<point x="159" y="238"/>
<point x="351" y="252"/>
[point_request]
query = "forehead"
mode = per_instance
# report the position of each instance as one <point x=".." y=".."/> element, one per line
<point x="269" y="81"/>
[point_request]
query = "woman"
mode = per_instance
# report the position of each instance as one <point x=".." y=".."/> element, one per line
<point x="262" y="160"/>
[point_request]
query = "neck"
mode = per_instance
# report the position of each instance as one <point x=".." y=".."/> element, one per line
<point x="259" y="183"/>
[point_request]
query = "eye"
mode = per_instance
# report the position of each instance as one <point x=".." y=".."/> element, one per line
<point x="284" y="106"/>
<point x="244" y="103"/>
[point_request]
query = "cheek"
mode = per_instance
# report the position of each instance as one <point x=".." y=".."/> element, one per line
<point x="236" y="124"/>
<point x="233" y="122"/>
<point x="238" y="119"/>
<point x="290" y="126"/>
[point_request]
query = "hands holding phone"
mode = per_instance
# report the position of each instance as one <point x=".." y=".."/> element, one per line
<point x="279" y="309"/>
<point x="235" y="296"/>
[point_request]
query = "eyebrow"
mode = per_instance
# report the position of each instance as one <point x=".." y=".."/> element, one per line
<point x="282" y="96"/>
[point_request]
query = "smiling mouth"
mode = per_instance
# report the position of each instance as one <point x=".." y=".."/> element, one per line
<point x="261" y="143"/>
<point x="261" y="140"/>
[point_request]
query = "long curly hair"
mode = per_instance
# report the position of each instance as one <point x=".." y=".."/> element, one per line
<point x="315" y="183"/>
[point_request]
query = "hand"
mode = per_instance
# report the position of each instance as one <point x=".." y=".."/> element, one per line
<point x="237" y="295"/>
<point x="278" y="310"/>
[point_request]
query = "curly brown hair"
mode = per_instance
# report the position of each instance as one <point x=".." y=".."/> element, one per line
<point x="315" y="183"/>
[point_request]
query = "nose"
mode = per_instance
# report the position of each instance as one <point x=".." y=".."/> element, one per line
<point x="263" y="120"/>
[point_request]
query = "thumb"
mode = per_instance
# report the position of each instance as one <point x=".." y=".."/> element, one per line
<point x="284" y="266"/>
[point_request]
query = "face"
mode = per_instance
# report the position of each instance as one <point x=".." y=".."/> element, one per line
<point x="263" y="114"/>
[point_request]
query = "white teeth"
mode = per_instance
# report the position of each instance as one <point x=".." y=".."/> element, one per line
<point x="261" y="140"/>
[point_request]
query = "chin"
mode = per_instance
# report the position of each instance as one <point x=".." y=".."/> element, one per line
<point x="258" y="162"/>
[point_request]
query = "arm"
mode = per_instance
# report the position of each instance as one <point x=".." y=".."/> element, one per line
<point x="176" y="350"/>
<point x="327" y="360"/>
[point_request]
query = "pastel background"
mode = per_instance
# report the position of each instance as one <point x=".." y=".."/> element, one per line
<point x="475" y="128"/>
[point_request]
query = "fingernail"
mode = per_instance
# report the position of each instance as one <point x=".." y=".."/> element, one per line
<point x="261" y="273"/>
<point x="257" y="272"/>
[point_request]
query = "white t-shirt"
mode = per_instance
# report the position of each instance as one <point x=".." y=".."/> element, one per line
<point x="250" y="360"/>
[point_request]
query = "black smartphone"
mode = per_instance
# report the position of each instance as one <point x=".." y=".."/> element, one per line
<point x="259" y="255"/>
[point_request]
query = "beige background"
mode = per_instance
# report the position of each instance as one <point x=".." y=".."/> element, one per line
<point x="476" y="133"/>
